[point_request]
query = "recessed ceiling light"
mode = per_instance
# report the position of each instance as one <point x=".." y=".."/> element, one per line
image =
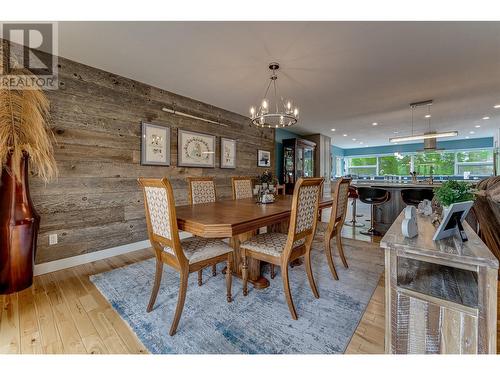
<point x="472" y="132"/>
<point x="427" y="116"/>
<point x="477" y="126"/>
<point x="396" y="132"/>
<point x="333" y="130"/>
<point x="486" y="117"/>
<point x="374" y="123"/>
<point x="354" y="139"/>
<point x="496" y="106"/>
<point x="345" y="135"/>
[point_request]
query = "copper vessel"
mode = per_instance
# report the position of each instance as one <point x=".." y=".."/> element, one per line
<point x="19" y="223"/>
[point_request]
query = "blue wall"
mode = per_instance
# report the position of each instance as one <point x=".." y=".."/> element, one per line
<point x="279" y="135"/>
<point x="413" y="147"/>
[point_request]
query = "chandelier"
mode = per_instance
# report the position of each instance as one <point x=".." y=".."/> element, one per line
<point x="277" y="113"/>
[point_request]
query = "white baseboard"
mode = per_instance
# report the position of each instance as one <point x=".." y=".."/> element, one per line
<point x="77" y="260"/>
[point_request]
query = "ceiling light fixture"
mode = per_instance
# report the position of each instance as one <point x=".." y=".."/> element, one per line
<point x="277" y="114"/>
<point x="486" y="117"/>
<point x="354" y="139"/>
<point x="472" y="132"/>
<point x="477" y="126"/>
<point x="374" y="123"/>
<point x="429" y="136"/>
<point x="496" y="106"/>
<point x="333" y="130"/>
<point x="345" y="135"/>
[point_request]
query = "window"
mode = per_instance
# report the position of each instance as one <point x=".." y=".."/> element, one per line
<point x="436" y="163"/>
<point x="363" y="166"/>
<point x="445" y="163"/>
<point x="477" y="163"/>
<point x="394" y="165"/>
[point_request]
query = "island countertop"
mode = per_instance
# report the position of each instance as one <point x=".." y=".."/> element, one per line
<point x="394" y="185"/>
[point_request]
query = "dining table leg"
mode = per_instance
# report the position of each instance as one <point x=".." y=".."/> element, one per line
<point x="254" y="274"/>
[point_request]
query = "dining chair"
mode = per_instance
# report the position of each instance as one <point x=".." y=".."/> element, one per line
<point x="340" y="195"/>
<point x="242" y="187"/>
<point x="280" y="248"/>
<point x="186" y="256"/>
<point x="202" y="190"/>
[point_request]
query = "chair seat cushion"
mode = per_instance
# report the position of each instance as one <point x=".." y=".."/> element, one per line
<point x="271" y="244"/>
<point x="197" y="249"/>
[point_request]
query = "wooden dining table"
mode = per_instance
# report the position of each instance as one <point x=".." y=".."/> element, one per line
<point x="238" y="220"/>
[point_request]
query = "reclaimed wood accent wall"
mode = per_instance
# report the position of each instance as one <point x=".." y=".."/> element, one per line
<point x="96" y="203"/>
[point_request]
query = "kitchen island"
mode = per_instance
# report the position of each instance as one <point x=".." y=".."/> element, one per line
<point x="386" y="213"/>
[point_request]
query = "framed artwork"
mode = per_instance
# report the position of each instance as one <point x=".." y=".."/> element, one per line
<point x="196" y="149"/>
<point x="155" y="144"/>
<point x="263" y="158"/>
<point x="227" y="153"/>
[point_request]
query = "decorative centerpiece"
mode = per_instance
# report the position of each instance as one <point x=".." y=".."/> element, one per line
<point x="24" y="136"/>
<point x="453" y="192"/>
<point x="265" y="190"/>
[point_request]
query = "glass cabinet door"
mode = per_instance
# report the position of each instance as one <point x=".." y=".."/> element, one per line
<point x="300" y="163"/>
<point x="289" y="165"/>
<point x="308" y="162"/>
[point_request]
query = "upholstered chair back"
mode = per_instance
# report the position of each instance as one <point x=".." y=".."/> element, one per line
<point x="161" y="218"/>
<point x="201" y="190"/>
<point x="242" y="187"/>
<point x="305" y="207"/>
<point x="341" y="193"/>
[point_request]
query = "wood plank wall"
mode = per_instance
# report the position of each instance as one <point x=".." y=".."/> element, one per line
<point x="96" y="203"/>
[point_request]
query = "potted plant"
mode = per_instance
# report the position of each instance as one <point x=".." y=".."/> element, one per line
<point x="453" y="192"/>
<point x="24" y="136"/>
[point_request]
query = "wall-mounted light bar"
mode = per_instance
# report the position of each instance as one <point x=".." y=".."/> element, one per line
<point x="173" y="111"/>
<point x="424" y="136"/>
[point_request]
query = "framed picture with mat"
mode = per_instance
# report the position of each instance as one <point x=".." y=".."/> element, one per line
<point x="452" y="221"/>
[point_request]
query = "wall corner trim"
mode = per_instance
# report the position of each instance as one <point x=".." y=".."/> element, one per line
<point x="60" y="264"/>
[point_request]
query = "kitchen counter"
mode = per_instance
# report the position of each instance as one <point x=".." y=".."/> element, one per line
<point x="403" y="185"/>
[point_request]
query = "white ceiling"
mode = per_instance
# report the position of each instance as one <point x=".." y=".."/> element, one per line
<point x="342" y="75"/>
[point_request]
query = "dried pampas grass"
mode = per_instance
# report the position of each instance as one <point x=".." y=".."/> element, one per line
<point x="24" y="129"/>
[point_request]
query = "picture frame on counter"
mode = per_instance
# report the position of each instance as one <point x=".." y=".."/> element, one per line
<point x="195" y="149"/>
<point x="155" y="144"/>
<point x="227" y="153"/>
<point x="263" y="158"/>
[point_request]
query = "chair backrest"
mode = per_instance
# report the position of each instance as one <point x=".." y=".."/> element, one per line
<point x="340" y="199"/>
<point x="242" y="187"/>
<point x="161" y="218"/>
<point x="304" y="217"/>
<point x="201" y="190"/>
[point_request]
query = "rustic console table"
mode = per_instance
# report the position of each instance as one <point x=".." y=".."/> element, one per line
<point x="441" y="296"/>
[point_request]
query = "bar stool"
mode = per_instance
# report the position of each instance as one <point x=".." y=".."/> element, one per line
<point x="375" y="197"/>
<point x="353" y="193"/>
<point x="413" y="197"/>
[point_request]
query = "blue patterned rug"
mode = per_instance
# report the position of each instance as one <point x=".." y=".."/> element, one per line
<point x="259" y="323"/>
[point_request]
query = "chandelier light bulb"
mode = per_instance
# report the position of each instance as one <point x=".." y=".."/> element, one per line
<point x="262" y="121"/>
<point x="252" y="111"/>
<point x="264" y="104"/>
<point x="296" y="112"/>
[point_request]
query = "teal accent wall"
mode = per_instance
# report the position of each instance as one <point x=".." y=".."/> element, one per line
<point x="413" y="147"/>
<point x="279" y="135"/>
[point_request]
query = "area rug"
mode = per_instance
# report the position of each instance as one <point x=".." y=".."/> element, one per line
<point x="257" y="324"/>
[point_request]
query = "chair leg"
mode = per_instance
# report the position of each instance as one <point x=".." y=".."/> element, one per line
<point x="229" y="276"/>
<point x="200" y="277"/>
<point x="273" y="273"/>
<point x="310" y="275"/>
<point x="244" y="272"/>
<point x="338" y="237"/>
<point x="286" y="289"/>
<point x="156" y="286"/>
<point x="214" y="270"/>
<point x="180" y="302"/>
<point x="329" y="257"/>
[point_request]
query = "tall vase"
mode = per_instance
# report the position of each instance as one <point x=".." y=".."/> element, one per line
<point x="19" y="224"/>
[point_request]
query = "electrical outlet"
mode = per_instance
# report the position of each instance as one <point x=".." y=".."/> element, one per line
<point x="53" y="239"/>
